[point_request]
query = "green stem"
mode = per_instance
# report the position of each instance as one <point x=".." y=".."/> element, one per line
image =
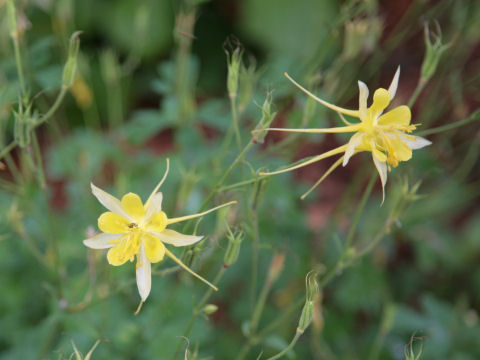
<point x="258" y="310"/>
<point x="18" y="61"/>
<point x="473" y="117"/>
<point x="220" y="182"/>
<point x="359" y="211"/>
<point x="44" y="118"/>
<point x="233" y="106"/>
<point x="416" y="93"/>
<point x="38" y="157"/>
<point x="198" y="310"/>
<point x="290" y="346"/>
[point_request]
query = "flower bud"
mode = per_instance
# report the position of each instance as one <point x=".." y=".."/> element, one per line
<point x="70" y="68"/>
<point x="12" y="18"/>
<point x="247" y="82"/>
<point x="433" y="52"/>
<point x="233" y="248"/>
<point x="361" y="36"/>
<point x="312" y="294"/>
<point x="265" y="121"/>
<point x="234" y="63"/>
<point x="209" y="309"/>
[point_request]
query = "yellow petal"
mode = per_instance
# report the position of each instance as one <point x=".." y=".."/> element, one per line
<point x="157" y="222"/>
<point x="399" y="116"/>
<point x="132" y="204"/>
<point x="402" y="151"/>
<point x="112" y="223"/>
<point x="381" y="99"/>
<point x="120" y="253"/>
<point x="154" y="248"/>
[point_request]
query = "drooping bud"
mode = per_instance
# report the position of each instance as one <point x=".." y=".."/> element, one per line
<point x="70" y="68"/>
<point x="433" y="52"/>
<point x="233" y="248"/>
<point x="265" y="121"/>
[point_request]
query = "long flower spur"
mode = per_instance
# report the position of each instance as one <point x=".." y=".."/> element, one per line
<point x="132" y="230"/>
<point x="386" y="136"/>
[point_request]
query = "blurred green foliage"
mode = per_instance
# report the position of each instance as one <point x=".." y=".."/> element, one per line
<point x="150" y="86"/>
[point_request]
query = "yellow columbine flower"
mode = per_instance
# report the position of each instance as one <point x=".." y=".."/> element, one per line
<point x="133" y="229"/>
<point x="386" y="136"/>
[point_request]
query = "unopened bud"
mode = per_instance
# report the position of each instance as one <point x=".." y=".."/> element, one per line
<point x="312" y="294"/>
<point x="209" y="309"/>
<point x="234" y="62"/>
<point x="12" y="18"/>
<point x="233" y="248"/>
<point x="267" y="118"/>
<point x="70" y="68"/>
<point x="247" y="82"/>
<point x="433" y="52"/>
<point x="361" y="36"/>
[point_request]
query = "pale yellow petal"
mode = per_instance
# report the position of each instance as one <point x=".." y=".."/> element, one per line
<point x="416" y="142"/>
<point x="143" y="274"/>
<point x="382" y="171"/>
<point x="175" y="238"/>
<point x="133" y="206"/>
<point x="154" y="206"/>
<point x="109" y="201"/>
<point x="362" y="99"/>
<point x="102" y="241"/>
<point x="392" y="89"/>
<point x="352" y="145"/>
<point x="112" y="223"/>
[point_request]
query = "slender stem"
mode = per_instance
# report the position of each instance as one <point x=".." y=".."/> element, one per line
<point x="239" y="184"/>
<point x="298" y="333"/>
<point x="256" y="240"/>
<point x="54" y="107"/>
<point x="416" y="93"/>
<point x="473" y="117"/>
<point x="257" y="312"/>
<point x="44" y="118"/>
<point x="198" y="310"/>
<point x="38" y="156"/>
<point x="18" y="61"/>
<point x="359" y="211"/>
<point x="17" y="176"/>
<point x="233" y="107"/>
<point x="220" y="182"/>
